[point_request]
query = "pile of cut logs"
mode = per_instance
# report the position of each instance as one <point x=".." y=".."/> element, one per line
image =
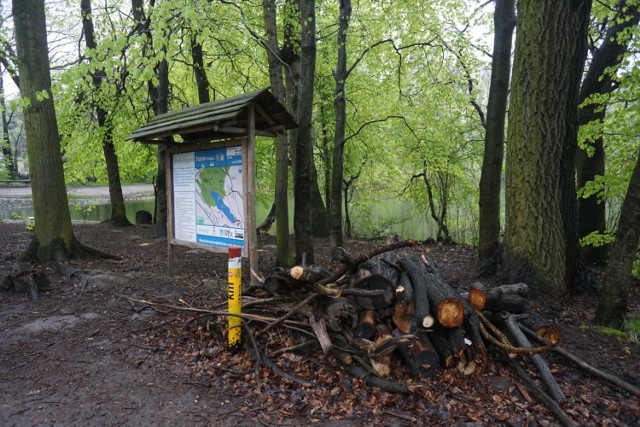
<point x="395" y="301"/>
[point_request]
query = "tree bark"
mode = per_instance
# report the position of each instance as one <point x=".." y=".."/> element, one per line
<point x="340" y="75"/>
<point x="199" y="72"/>
<point x="303" y="148"/>
<point x="606" y="60"/>
<point x="99" y="77"/>
<point x="549" y="56"/>
<point x="7" y="152"/>
<point x="158" y="96"/>
<point x="53" y="231"/>
<point x="283" y="252"/>
<point x="612" y="306"/>
<point x="491" y="177"/>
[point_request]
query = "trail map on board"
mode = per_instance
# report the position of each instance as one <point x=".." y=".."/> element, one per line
<point x="208" y="197"/>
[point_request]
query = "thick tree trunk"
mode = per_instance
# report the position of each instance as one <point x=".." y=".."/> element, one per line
<point x="606" y="60"/>
<point x="614" y="294"/>
<point x="542" y="124"/>
<point x="53" y="231"/>
<point x="283" y="252"/>
<point x="99" y="77"/>
<point x="491" y="177"/>
<point x="304" y="152"/>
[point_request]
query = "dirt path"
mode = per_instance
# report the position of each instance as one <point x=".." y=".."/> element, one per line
<point x="84" y="354"/>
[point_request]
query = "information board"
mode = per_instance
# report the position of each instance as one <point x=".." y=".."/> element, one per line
<point x="208" y="197"/>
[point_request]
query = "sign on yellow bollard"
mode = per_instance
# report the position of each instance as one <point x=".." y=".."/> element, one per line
<point x="235" y="297"/>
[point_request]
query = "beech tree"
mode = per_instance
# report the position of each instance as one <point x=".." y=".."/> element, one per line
<point x="540" y="229"/>
<point x="104" y="119"/>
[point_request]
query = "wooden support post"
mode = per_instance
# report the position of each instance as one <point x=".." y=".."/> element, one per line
<point x="249" y="171"/>
<point x="168" y="160"/>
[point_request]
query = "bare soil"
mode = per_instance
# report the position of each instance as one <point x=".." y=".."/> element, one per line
<point x="113" y="352"/>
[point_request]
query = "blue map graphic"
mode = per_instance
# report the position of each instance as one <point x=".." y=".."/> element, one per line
<point x="223" y="208"/>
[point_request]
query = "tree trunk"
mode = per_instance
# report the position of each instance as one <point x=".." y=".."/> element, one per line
<point x="319" y="214"/>
<point x="283" y="252"/>
<point x="199" y="72"/>
<point x="99" y="77"/>
<point x="161" y="178"/>
<point x="160" y="104"/>
<point x="491" y="177"/>
<point x="606" y="60"/>
<point x="612" y="306"/>
<point x="303" y="149"/>
<point x="53" y="231"/>
<point x="549" y="56"/>
<point x="7" y="153"/>
<point x="576" y="274"/>
<point x="340" y="75"/>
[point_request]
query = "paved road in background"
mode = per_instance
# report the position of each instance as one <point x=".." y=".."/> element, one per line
<point x="129" y="191"/>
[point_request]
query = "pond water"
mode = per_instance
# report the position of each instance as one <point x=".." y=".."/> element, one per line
<point x="376" y="219"/>
<point x="79" y="211"/>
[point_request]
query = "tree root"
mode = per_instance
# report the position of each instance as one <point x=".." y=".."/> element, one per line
<point x="57" y="251"/>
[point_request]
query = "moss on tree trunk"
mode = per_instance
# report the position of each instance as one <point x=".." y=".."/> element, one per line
<point x="542" y="118"/>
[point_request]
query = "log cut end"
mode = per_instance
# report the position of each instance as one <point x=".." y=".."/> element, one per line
<point x="450" y="313"/>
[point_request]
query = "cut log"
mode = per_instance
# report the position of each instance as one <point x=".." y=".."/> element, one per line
<point x="450" y="312"/>
<point x="367" y="325"/>
<point x="277" y="285"/>
<point x="403" y="317"/>
<point x="415" y="272"/>
<point x="340" y="312"/>
<point x="382" y="363"/>
<point x="316" y="320"/>
<point x="310" y="273"/>
<point x="421" y="358"/>
<point x="383" y="265"/>
<point x="511" y="298"/>
<point x="376" y="282"/>
<point x="477" y="299"/>
<point x="404" y="290"/>
<point x="448" y="341"/>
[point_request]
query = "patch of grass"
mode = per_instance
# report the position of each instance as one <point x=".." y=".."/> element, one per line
<point x="631" y="326"/>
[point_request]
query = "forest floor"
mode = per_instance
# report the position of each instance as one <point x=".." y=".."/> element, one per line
<point x="113" y="353"/>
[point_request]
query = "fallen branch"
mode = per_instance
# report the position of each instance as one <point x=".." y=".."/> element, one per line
<point x="584" y="365"/>
<point x="386" y="385"/>
<point x="562" y="416"/>
<point x="538" y="361"/>
<point x="276" y="370"/>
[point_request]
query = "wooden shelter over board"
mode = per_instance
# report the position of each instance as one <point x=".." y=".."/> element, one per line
<point x="211" y="169"/>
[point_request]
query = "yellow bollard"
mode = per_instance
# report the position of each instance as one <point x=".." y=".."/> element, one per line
<point x="235" y="297"/>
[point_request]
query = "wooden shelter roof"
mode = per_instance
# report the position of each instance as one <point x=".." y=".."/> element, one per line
<point x="223" y="119"/>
